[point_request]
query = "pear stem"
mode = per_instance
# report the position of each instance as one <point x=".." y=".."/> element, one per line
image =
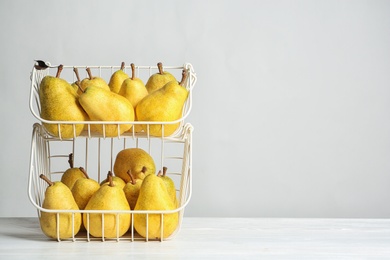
<point x="131" y="177"/>
<point x="109" y="178"/>
<point x="83" y="171"/>
<point x="43" y="177"/>
<point x="144" y="169"/>
<point x="160" y="68"/>
<point x="79" y="85"/>
<point x="165" y="171"/>
<point x="76" y="71"/>
<point x="159" y="173"/>
<point x="70" y="160"/>
<point x="183" y="77"/>
<point x="59" y="70"/>
<point x="89" y="73"/>
<point x="132" y="71"/>
<point x="122" y="65"/>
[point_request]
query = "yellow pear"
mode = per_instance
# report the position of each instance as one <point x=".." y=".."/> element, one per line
<point x="92" y="81"/>
<point x="105" y="105"/>
<point x="108" y="197"/>
<point x="159" y="79"/>
<point x="153" y="195"/>
<point x="59" y="102"/>
<point x="137" y="160"/>
<point x="131" y="190"/>
<point x="169" y="183"/>
<point x="72" y="174"/>
<point x="59" y="197"/>
<point x="117" y="79"/>
<point x="134" y="90"/>
<point x="163" y="105"/>
<point x="83" y="189"/>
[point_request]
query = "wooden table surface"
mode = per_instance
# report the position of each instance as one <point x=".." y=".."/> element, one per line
<point x="215" y="238"/>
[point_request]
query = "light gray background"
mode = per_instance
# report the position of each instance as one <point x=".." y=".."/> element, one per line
<point x="291" y="107"/>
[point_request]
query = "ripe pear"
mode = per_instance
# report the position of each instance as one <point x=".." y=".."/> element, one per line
<point x="169" y="183"/>
<point x="117" y="79"/>
<point x="59" y="102"/>
<point x="59" y="197"/>
<point x="131" y="190"/>
<point x="134" y="90"/>
<point x="115" y="179"/>
<point x="137" y="160"/>
<point x="83" y="189"/>
<point x="105" y="105"/>
<point x="159" y="79"/>
<point x="153" y="195"/>
<point x="92" y="81"/>
<point x="72" y="174"/>
<point x="108" y="197"/>
<point x="164" y="104"/>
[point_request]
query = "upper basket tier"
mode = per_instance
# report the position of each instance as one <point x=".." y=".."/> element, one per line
<point x="105" y="72"/>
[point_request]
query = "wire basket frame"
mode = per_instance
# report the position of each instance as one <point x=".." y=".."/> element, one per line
<point x="96" y="152"/>
<point x="44" y="153"/>
<point x="105" y="72"/>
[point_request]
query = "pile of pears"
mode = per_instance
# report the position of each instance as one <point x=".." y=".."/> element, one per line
<point x="134" y="186"/>
<point x="124" y="99"/>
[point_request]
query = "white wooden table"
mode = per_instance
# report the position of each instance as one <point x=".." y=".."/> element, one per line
<point x="215" y="238"/>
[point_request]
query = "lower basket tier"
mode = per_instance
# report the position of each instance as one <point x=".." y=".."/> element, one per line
<point x="49" y="157"/>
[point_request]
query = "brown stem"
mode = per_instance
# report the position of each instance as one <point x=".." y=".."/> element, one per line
<point x="183" y="77"/>
<point x="79" y="85"/>
<point x="43" y="177"/>
<point x="159" y="173"/>
<point x="70" y="160"/>
<point x="76" y="71"/>
<point x="160" y="68"/>
<point x="89" y="73"/>
<point x="59" y="70"/>
<point x="132" y="71"/>
<point x="131" y="177"/>
<point x="165" y="171"/>
<point x="109" y="179"/>
<point x="122" y="65"/>
<point x="144" y="169"/>
<point x="83" y="171"/>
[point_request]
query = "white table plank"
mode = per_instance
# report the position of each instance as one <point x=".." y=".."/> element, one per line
<point x="218" y="238"/>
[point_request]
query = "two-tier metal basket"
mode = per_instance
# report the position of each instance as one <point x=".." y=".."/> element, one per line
<point x="96" y="152"/>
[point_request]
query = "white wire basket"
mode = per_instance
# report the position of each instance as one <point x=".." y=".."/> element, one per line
<point x="142" y="72"/>
<point x="96" y="154"/>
